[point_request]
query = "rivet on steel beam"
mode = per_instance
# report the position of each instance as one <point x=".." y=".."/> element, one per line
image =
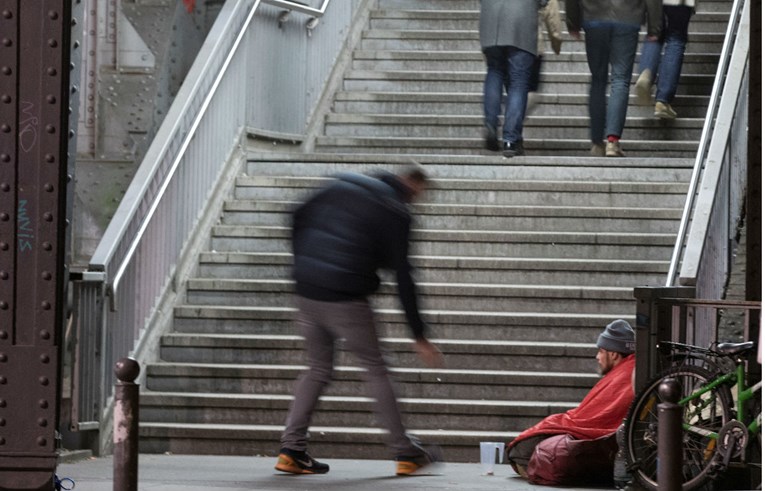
<point x="45" y="334"/>
<point x="48" y="217"/>
<point x="42" y="441"/>
<point x="3" y="403"/>
<point x="49" y="187"/>
<point x="52" y="14"/>
<point x="4" y="217"/>
<point x="3" y="246"/>
<point x="50" y="128"/>
<point x="43" y="404"/>
<point x="52" y="43"/>
<point x="42" y="422"/>
<point x="74" y="21"/>
<point x="7" y="70"/>
<point x="71" y="132"/>
<point x="7" y="42"/>
<point x="3" y="380"/>
<point x="7" y="14"/>
<point x="2" y="441"/>
<point x="5" y="128"/>
<point x="44" y="359"/>
<point x="50" y="158"/>
<point x="43" y="380"/>
<point x="52" y="71"/>
<point x="2" y="421"/>
<point x="51" y="99"/>
<point x="5" y="157"/>
<point x="47" y="246"/>
<point x="46" y="305"/>
<point x="3" y="357"/>
<point x="5" y="187"/>
<point x="6" y="99"/>
<point x="3" y="305"/>
<point x="4" y="275"/>
<point x="3" y="334"/>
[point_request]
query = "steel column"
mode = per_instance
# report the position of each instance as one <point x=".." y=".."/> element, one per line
<point x="35" y="70"/>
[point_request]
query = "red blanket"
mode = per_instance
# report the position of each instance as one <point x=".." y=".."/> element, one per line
<point x="600" y="413"/>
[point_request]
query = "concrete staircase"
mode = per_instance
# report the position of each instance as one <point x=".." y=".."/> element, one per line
<point x="520" y="262"/>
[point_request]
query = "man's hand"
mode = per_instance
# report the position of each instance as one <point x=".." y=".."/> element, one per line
<point x="429" y="354"/>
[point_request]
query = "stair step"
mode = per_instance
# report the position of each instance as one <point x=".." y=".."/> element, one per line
<point x="348" y="411"/>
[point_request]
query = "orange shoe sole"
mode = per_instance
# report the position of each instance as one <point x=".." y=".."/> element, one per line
<point x="287" y="464"/>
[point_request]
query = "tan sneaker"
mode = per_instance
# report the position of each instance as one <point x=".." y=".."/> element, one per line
<point x="613" y="149"/>
<point x="643" y="88"/>
<point x="664" y="111"/>
<point x="598" y="150"/>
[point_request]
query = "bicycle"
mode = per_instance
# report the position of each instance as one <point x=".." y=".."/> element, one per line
<point x="716" y="427"/>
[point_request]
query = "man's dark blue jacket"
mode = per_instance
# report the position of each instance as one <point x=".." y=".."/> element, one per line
<point x="347" y="231"/>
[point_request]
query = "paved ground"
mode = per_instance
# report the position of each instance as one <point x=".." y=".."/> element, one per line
<point x="216" y="473"/>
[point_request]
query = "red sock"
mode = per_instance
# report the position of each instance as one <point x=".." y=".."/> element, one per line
<point x="613" y="138"/>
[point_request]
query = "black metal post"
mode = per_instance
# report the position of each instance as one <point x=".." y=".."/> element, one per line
<point x="126" y="426"/>
<point x="670" y="458"/>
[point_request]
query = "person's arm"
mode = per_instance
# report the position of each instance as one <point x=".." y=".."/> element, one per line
<point x="655" y="19"/>
<point x="407" y="292"/>
<point x="573" y="18"/>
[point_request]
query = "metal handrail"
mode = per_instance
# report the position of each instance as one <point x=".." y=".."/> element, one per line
<point x="706" y="137"/>
<point x="299" y="7"/>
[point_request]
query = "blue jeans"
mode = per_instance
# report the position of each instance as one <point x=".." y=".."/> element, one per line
<point x="673" y="39"/>
<point x="614" y="44"/>
<point x="508" y="67"/>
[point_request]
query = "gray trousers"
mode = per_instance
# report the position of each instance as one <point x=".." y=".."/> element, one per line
<point x="322" y="324"/>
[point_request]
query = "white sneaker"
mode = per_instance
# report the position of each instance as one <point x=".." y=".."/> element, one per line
<point x="598" y="150"/>
<point x="643" y="88"/>
<point x="613" y="149"/>
<point x="664" y="111"/>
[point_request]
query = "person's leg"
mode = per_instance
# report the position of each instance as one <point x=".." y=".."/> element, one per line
<point x="520" y="64"/>
<point x="319" y="353"/>
<point x="624" y="40"/>
<point x="597" y="42"/>
<point x="650" y="57"/>
<point x="496" y="74"/>
<point x="354" y="321"/>
<point x="676" y="38"/>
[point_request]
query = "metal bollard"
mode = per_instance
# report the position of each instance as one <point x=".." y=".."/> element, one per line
<point x="126" y="425"/>
<point x="670" y="456"/>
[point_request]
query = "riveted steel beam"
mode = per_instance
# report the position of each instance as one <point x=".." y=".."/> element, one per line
<point x="35" y="139"/>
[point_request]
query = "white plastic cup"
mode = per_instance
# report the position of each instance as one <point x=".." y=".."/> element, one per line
<point x="491" y="452"/>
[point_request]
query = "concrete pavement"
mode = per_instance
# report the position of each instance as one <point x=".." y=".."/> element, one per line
<point x="224" y="473"/>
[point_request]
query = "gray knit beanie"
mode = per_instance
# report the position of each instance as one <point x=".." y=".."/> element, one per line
<point x="618" y="337"/>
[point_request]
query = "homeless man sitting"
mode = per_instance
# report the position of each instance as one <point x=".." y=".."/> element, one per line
<point x="579" y="446"/>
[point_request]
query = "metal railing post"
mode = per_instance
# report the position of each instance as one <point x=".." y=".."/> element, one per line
<point x="670" y="458"/>
<point x="126" y="425"/>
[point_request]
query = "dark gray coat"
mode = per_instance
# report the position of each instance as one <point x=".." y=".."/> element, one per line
<point x="629" y="11"/>
<point x="509" y="23"/>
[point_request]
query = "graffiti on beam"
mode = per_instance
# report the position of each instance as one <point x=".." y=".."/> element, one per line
<point x="25" y="235"/>
<point x="28" y="123"/>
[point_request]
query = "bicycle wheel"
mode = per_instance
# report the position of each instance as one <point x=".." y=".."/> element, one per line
<point x="709" y="411"/>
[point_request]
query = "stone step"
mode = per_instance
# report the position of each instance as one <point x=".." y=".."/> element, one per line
<point x="329" y="441"/>
<point x="492" y="192"/>
<point x="470" y="82"/>
<point x="459" y="353"/>
<point x="474" y="5"/>
<point x="535" y="147"/>
<point x="348" y="381"/>
<point x="454" y="103"/>
<point x="540" y="271"/>
<point x="500" y="326"/>
<point x="534" y="127"/>
<point x="468" y="20"/>
<point x="232" y="238"/>
<point x="347" y="411"/>
<point x="473" y="61"/>
<point x="490" y="167"/>
<point x="485" y="217"/>
<point x="440" y="296"/>
<point x="464" y="40"/>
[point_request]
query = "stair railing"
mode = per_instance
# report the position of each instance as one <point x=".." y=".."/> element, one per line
<point x="134" y="274"/>
<point x="712" y="204"/>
